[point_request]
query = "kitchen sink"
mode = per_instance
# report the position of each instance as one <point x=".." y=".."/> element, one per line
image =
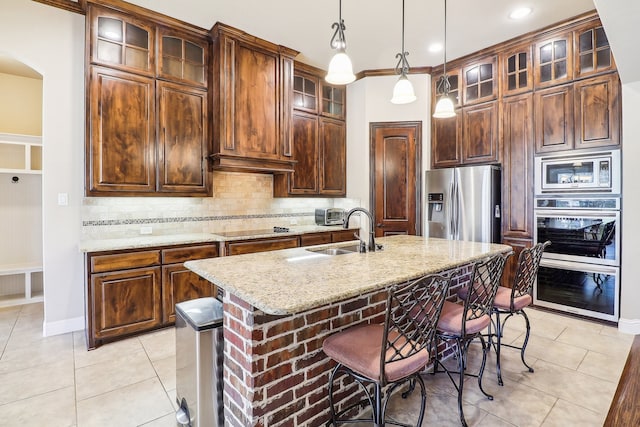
<point x="336" y="251"/>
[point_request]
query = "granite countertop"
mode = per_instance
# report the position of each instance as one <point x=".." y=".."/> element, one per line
<point x="138" y="242"/>
<point x="294" y="280"/>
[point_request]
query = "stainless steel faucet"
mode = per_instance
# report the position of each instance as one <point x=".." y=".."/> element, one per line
<point x="372" y="241"/>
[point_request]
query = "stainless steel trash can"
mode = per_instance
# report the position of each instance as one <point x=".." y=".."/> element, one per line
<point x="199" y="348"/>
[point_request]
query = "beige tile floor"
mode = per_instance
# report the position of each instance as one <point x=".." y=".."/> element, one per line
<point x="55" y="381"/>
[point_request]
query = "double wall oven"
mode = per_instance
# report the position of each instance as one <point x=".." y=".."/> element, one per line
<point x="577" y="208"/>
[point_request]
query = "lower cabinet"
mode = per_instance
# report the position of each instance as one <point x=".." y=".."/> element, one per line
<point x="133" y="291"/>
<point x="239" y="247"/>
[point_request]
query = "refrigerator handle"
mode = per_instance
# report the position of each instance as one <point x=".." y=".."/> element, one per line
<point x="455" y="208"/>
<point x="452" y="195"/>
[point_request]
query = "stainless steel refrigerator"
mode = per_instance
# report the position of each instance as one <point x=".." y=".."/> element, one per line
<point x="464" y="203"/>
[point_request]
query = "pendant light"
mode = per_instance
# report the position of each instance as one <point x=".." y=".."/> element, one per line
<point x="403" y="92"/>
<point x="444" y="107"/>
<point x="340" y="68"/>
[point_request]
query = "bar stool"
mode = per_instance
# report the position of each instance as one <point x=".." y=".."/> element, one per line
<point x="392" y="353"/>
<point x="465" y="322"/>
<point x="513" y="301"/>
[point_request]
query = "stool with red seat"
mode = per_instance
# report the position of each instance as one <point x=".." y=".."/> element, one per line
<point x="465" y="322"/>
<point x="389" y="354"/>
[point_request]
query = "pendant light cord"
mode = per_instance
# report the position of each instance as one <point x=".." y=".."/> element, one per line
<point x="443" y="85"/>
<point x="402" y="67"/>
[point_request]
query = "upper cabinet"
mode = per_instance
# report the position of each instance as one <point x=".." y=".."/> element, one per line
<point x="516" y="69"/>
<point x="121" y="41"/>
<point x="182" y="58"/>
<point x="252" y="102"/>
<point x="480" y="81"/>
<point x="553" y="60"/>
<point x="319" y="138"/>
<point x="147" y="132"/>
<point x="593" y="53"/>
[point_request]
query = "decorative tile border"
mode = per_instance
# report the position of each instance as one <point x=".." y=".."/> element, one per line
<point x="182" y="219"/>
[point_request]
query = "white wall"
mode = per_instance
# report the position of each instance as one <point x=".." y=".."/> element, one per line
<point x="368" y="100"/>
<point x="51" y="41"/>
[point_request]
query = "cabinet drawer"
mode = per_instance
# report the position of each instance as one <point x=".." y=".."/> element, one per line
<point x="251" y="246"/>
<point x="124" y="261"/>
<point x="315" y="239"/>
<point x="343" y="235"/>
<point x="174" y="255"/>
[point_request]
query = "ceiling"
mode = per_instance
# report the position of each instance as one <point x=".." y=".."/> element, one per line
<point x="374" y="27"/>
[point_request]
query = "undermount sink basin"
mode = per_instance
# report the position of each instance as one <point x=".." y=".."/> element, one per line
<point x="336" y="251"/>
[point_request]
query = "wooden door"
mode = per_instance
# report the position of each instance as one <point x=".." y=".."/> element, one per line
<point x="554" y="119"/>
<point x="333" y="157"/>
<point x="182" y="139"/>
<point x="121" y="143"/>
<point x="597" y="111"/>
<point x="396" y="177"/>
<point x="517" y="166"/>
<point x="480" y="133"/>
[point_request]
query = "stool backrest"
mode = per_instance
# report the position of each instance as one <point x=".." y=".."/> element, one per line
<point x="527" y="270"/>
<point x="485" y="280"/>
<point x="412" y="315"/>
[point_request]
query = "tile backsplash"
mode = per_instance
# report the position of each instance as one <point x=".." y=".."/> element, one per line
<point x="240" y="201"/>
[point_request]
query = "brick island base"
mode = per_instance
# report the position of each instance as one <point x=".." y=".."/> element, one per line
<point x="275" y="372"/>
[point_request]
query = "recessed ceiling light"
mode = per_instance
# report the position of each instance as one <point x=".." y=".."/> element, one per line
<point x="435" y="47"/>
<point x="520" y="13"/>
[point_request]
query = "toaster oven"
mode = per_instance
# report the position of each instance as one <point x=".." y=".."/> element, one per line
<point x="329" y="216"/>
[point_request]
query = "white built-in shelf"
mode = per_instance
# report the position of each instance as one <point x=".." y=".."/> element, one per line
<point x="26" y="269"/>
<point x="20" y="153"/>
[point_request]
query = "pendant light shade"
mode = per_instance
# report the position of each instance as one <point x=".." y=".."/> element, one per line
<point x="444" y="107"/>
<point x="403" y="92"/>
<point x="340" y="68"/>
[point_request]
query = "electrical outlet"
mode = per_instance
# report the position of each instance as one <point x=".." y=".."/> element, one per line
<point x="63" y="199"/>
<point x="146" y="229"/>
<point x="293" y="221"/>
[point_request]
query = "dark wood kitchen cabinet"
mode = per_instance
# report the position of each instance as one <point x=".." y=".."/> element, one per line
<point x="554" y="118"/>
<point x="516" y="70"/>
<point x="252" y="102"/>
<point x="553" y="60"/>
<point x="480" y="142"/>
<point x="480" y="81"/>
<point x="319" y="138"/>
<point x="133" y="291"/>
<point x="239" y="247"/>
<point x="146" y="125"/>
<point x="593" y="54"/>
<point x="597" y="112"/>
<point x="446" y="141"/>
<point x="517" y="166"/>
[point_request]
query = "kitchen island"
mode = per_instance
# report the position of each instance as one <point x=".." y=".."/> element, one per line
<point x="279" y="307"/>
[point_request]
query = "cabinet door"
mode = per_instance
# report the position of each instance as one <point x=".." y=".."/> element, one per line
<point x="182" y="58"/>
<point x="553" y="61"/>
<point x="310" y="239"/>
<point x="305" y="93"/>
<point x="480" y="81"/>
<point x="250" y="101"/>
<point x="597" y="111"/>
<point x="121" y="41"/>
<point x="305" y="178"/>
<point x="182" y="139"/>
<point x="121" y="143"/>
<point x="181" y="284"/>
<point x="517" y="166"/>
<point x="554" y="119"/>
<point x="446" y="141"/>
<point x="125" y="302"/>
<point x="480" y="133"/>
<point x="515" y="66"/>
<point x="333" y="157"/>
<point x="455" y="85"/>
<point x="333" y="101"/>
<point x="593" y="53"/>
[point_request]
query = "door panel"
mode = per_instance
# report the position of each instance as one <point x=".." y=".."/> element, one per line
<point x="395" y="177"/>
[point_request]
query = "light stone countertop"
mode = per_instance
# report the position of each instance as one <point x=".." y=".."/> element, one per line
<point x="290" y="281"/>
<point x="142" y="241"/>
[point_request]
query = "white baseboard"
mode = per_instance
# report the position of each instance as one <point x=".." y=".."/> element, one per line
<point x="62" y="326"/>
<point x="629" y="326"/>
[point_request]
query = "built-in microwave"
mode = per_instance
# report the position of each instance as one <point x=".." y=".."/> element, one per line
<point x="593" y="172"/>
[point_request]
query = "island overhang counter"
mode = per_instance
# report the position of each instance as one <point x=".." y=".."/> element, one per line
<point x="280" y="306"/>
